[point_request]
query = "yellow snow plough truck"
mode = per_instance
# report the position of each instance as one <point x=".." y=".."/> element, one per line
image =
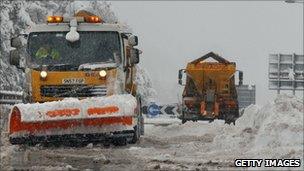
<point x="210" y="90"/>
<point x="80" y="83"/>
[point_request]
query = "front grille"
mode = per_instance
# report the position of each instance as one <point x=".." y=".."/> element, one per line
<point x="72" y="91"/>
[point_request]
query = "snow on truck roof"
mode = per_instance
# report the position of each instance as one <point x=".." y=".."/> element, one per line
<point x="81" y="21"/>
<point x="53" y="27"/>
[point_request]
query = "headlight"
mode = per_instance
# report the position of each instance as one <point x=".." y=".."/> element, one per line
<point x="102" y="73"/>
<point x="43" y="74"/>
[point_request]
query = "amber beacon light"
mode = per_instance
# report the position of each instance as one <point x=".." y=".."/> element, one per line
<point x="54" y="19"/>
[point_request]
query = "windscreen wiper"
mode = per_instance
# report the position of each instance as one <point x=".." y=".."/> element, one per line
<point x="62" y="67"/>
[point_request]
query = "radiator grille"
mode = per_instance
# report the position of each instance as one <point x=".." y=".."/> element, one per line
<point x="72" y="91"/>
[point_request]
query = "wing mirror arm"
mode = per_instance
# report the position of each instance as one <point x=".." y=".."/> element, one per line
<point x="180" y="76"/>
<point x="240" y="77"/>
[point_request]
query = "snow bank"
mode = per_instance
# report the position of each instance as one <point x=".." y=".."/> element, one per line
<point x="279" y="129"/>
<point x="271" y="131"/>
<point x="38" y="111"/>
<point x="274" y="130"/>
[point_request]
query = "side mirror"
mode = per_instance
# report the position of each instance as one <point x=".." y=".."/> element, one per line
<point x="133" y="40"/>
<point x="15" y="58"/>
<point x="134" y="58"/>
<point x="180" y="82"/>
<point x="180" y="76"/>
<point x="240" y="77"/>
<point x="16" y="42"/>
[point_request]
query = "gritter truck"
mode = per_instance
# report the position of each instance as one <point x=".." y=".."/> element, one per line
<point x="80" y="84"/>
<point x="210" y="90"/>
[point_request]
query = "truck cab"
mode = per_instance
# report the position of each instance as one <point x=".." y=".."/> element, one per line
<point x="98" y="61"/>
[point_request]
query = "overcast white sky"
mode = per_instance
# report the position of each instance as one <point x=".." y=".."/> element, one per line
<point x="173" y="33"/>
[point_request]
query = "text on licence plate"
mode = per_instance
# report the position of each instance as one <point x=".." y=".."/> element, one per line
<point x="73" y="81"/>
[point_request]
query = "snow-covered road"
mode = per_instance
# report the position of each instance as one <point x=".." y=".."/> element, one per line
<point x="274" y="130"/>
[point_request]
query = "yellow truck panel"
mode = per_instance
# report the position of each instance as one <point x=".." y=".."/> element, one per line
<point x="209" y="91"/>
<point x="56" y="78"/>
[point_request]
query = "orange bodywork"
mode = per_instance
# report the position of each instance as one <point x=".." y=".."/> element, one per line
<point x="63" y="112"/>
<point x="231" y="104"/>
<point x="32" y="127"/>
<point x="211" y="86"/>
<point x="102" y="110"/>
<point x="203" y="108"/>
<point x="216" y="109"/>
<point x="203" y="71"/>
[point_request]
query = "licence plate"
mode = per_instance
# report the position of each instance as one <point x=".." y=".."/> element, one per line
<point x="73" y="81"/>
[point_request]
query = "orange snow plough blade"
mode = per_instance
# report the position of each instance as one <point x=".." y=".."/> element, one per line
<point x="53" y="121"/>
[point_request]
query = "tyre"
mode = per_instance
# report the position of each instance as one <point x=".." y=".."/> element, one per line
<point x="229" y="118"/>
<point x="141" y="119"/>
<point x="122" y="141"/>
<point x="183" y="118"/>
<point x="136" y="135"/>
<point x="139" y="128"/>
<point x="141" y="125"/>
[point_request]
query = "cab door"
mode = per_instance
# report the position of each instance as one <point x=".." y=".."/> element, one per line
<point x="129" y="69"/>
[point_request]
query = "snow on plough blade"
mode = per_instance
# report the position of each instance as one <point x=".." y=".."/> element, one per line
<point x="90" y="119"/>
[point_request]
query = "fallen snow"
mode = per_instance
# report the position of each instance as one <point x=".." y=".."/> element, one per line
<point x="37" y="112"/>
<point x="162" y="120"/>
<point x="274" y="130"/>
<point x="94" y="66"/>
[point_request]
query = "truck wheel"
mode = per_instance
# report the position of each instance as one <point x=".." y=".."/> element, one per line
<point x="136" y="135"/>
<point x="229" y="119"/>
<point x="183" y="118"/>
<point x="139" y="128"/>
<point x="142" y="125"/>
<point x="120" y="141"/>
<point x="141" y="119"/>
<point x="106" y="143"/>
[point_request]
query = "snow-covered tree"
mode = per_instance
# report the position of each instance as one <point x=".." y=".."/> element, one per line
<point x="17" y="16"/>
<point x="144" y="86"/>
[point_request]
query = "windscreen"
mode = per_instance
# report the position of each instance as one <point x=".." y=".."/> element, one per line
<point x="51" y="48"/>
